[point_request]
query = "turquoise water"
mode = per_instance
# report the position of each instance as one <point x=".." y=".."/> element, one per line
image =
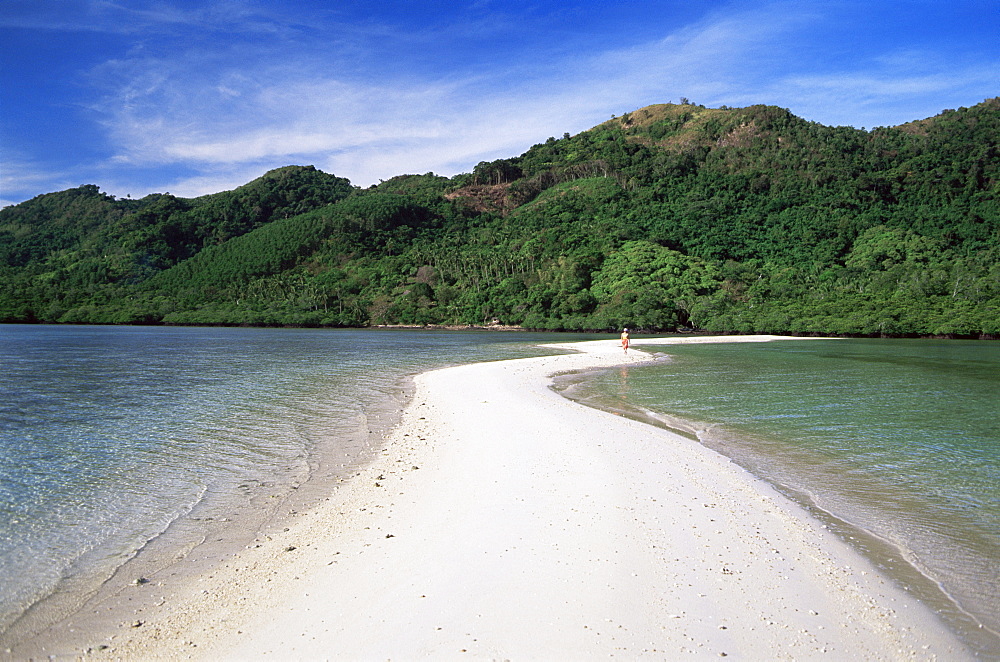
<point x="898" y="438"/>
<point x="114" y="438"/>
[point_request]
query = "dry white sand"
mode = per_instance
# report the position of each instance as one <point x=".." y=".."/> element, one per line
<point x="505" y="522"/>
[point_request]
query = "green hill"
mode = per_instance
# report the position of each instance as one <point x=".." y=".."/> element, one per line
<point x="671" y="216"/>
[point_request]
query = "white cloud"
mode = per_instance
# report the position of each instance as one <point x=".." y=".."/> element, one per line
<point x="365" y="130"/>
<point x="234" y="113"/>
<point x="888" y="93"/>
<point x="213" y="181"/>
<point x="19" y="173"/>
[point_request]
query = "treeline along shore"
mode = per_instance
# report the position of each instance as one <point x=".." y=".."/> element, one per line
<point x="673" y="216"/>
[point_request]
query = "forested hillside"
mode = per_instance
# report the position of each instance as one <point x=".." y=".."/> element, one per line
<point x="669" y="217"/>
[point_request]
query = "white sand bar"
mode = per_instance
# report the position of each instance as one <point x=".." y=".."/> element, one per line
<point x="504" y="521"/>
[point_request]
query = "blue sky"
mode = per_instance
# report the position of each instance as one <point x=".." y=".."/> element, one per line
<point x="198" y="97"/>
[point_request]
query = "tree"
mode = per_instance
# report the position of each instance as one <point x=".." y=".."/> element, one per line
<point x="655" y="286"/>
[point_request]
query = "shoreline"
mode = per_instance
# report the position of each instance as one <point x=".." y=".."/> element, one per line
<point x="503" y="520"/>
<point x="894" y="560"/>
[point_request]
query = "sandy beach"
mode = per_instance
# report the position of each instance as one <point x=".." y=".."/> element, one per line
<point x="503" y="521"/>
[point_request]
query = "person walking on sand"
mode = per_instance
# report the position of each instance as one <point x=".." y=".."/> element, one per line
<point x="625" y="340"/>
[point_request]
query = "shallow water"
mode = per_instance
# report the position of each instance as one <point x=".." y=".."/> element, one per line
<point x="898" y="438"/>
<point x="114" y="441"/>
<point x="112" y="436"/>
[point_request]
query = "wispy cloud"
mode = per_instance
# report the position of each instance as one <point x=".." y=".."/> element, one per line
<point x="374" y="98"/>
<point x="140" y="17"/>
<point x="21" y="173"/>
<point x="170" y="112"/>
<point x="886" y="93"/>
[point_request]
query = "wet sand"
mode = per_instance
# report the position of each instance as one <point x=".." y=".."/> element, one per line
<point x="503" y="521"/>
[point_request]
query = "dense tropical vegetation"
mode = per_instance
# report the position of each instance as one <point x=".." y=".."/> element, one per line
<point x="669" y="217"/>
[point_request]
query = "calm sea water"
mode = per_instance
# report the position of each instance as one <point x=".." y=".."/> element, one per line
<point x="111" y="436"/>
<point x="898" y="438"/>
<point x="111" y="439"/>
